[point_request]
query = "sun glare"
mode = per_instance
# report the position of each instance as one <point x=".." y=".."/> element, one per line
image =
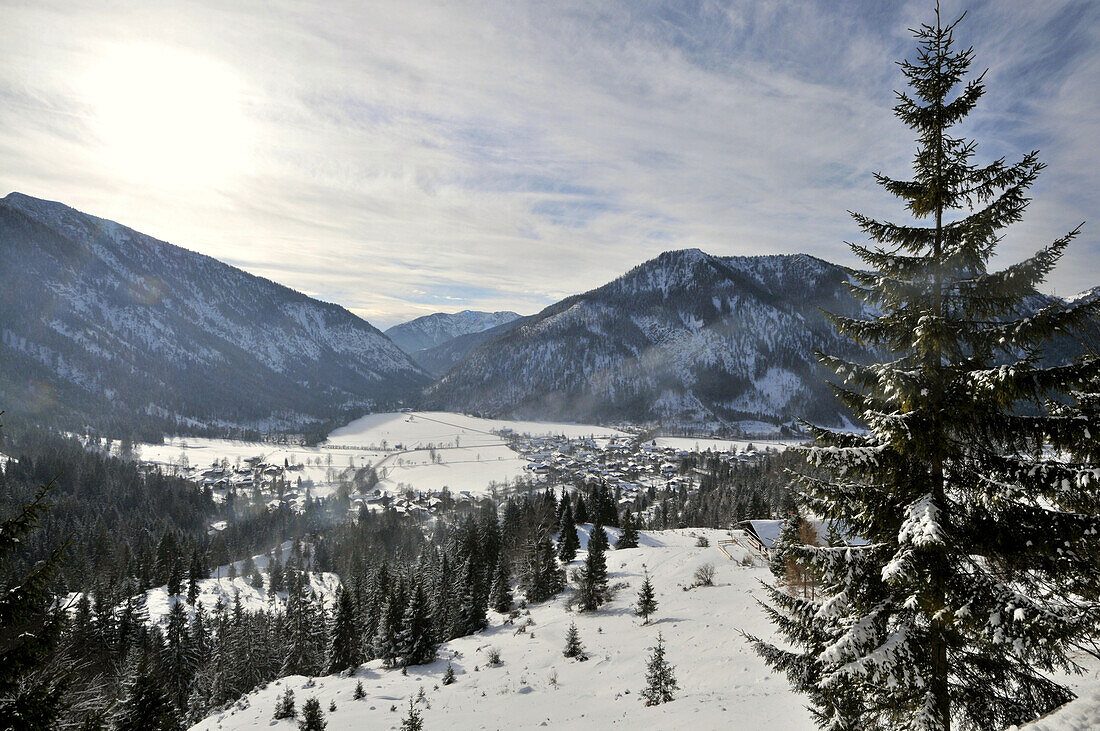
<point x="169" y="116"/>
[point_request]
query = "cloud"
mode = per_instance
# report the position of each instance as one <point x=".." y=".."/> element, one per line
<point x="405" y="157"/>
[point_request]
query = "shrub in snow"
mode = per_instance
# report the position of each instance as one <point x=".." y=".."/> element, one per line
<point x="704" y="575"/>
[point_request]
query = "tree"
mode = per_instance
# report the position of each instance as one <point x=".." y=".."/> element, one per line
<point x="541" y="577"/>
<point x="416" y="643"/>
<point x="145" y="705"/>
<point x="660" y="677"/>
<point x="344" y="647"/>
<point x="568" y="542"/>
<point x="29" y="697"/>
<point x="449" y="675"/>
<point x="284" y="707"/>
<point x="413" y="721"/>
<point x="500" y="595"/>
<point x="779" y="555"/>
<point x="978" y="578"/>
<point x="629" y="537"/>
<point x="360" y="693"/>
<point x="647" y="600"/>
<point x="593" y="589"/>
<point x="573" y="646"/>
<point x="313" y="718"/>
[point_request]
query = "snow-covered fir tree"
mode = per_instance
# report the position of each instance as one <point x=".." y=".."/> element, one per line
<point x="416" y="642"/>
<point x="629" y="537"/>
<point x="313" y="718"/>
<point x="978" y="579"/>
<point x="284" y="707"/>
<point x="647" y="600"/>
<point x="660" y="677"/>
<point x="145" y="705"/>
<point x="574" y="648"/>
<point x="344" y="647"/>
<point x="541" y="577"/>
<point x="593" y="581"/>
<point x="500" y="595"/>
<point x="568" y="542"/>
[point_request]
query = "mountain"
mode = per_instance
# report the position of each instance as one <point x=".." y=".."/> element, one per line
<point x="432" y="330"/>
<point x="684" y="339"/>
<point x="445" y="356"/>
<point x="107" y="327"/>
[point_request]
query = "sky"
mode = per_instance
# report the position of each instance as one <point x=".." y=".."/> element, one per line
<point x="408" y="157"/>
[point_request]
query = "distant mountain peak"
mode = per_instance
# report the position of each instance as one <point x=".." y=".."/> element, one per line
<point x="430" y="331"/>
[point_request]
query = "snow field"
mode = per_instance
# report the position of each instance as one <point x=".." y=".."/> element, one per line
<point x="724" y="685"/>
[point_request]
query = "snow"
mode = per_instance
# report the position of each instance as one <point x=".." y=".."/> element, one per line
<point x="695" y="444"/>
<point x="1082" y="714"/>
<point x="723" y="683"/>
<point x="470" y="456"/>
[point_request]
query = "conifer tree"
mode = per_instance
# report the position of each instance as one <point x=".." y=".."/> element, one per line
<point x="313" y="718"/>
<point x="978" y="578"/>
<point x="449" y="675"/>
<point x="629" y="537"/>
<point x="647" y="600"/>
<point x="145" y="705"/>
<point x="28" y="628"/>
<point x="574" y="648"/>
<point x="568" y="542"/>
<point x="413" y="721"/>
<point x="284" y="707"/>
<point x="580" y="511"/>
<point x="416" y="642"/>
<point x="541" y="577"/>
<point x="360" y="693"/>
<point x="660" y="677"/>
<point x="500" y="595"/>
<point x="786" y="542"/>
<point x="593" y="588"/>
<point x="344" y="647"/>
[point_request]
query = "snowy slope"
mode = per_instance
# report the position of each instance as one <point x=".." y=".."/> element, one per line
<point x="723" y="684"/>
<point x="106" y="326"/>
<point x="432" y="330"/>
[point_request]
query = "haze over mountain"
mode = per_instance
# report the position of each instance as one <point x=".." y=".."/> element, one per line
<point x="105" y="326"/>
<point x="432" y="330"/>
<point x="684" y="339"/>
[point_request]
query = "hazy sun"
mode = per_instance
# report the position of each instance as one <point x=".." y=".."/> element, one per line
<point x="168" y="115"/>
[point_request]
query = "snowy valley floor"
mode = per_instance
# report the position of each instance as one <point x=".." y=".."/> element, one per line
<point x="723" y="684"/>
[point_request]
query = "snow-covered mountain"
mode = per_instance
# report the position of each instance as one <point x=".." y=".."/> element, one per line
<point x="432" y="330"/>
<point x="105" y="326"/>
<point x="684" y="338"/>
<point x="441" y="358"/>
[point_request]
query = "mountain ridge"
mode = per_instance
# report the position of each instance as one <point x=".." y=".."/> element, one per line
<point x="100" y="320"/>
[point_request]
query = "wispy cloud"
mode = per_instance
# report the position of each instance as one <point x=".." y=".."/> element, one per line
<point x="406" y="157"/>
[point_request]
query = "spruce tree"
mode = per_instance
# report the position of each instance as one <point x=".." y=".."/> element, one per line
<point x="360" y="693"/>
<point x="145" y="705"/>
<point x="573" y="646"/>
<point x="647" y="600"/>
<point x="343" y="651"/>
<point x="29" y="629"/>
<point x="629" y="537"/>
<point x="789" y="538"/>
<point x="978" y="578"/>
<point x="416" y="641"/>
<point x="593" y="589"/>
<point x="284" y="707"/>
<point x="413" y="721"/>
<point x="568" y="542"/>
<point x="500" y="595"/>
<point x="660" y="677"/>
<point x="313" y="718"/>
